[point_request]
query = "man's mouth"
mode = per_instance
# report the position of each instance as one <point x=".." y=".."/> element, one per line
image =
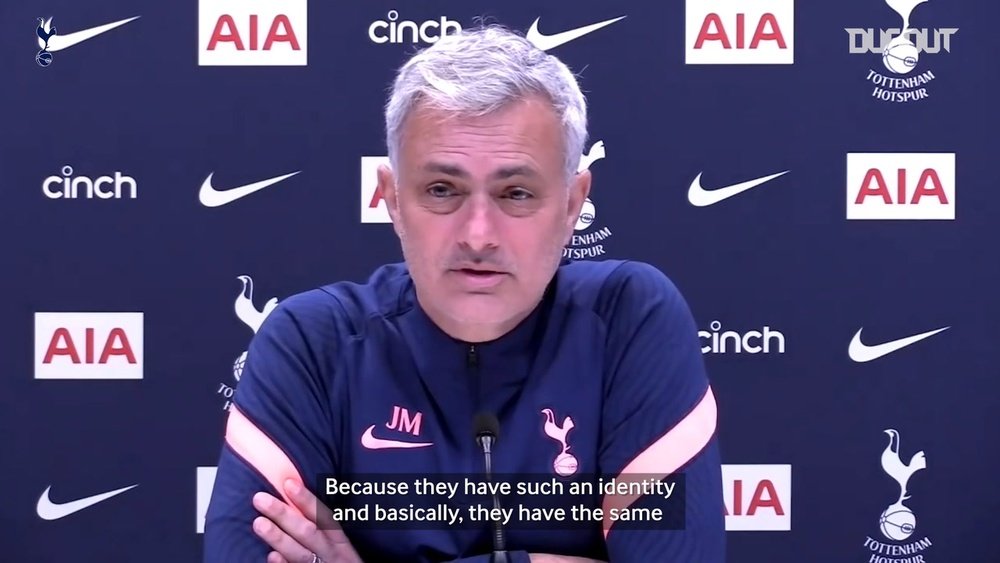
<point x="477" y="280"/>
<point x="481" y="273"/>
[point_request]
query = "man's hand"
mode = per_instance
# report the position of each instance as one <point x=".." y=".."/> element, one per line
<point x="297" y="532"/>
<point x="548" y="558"/>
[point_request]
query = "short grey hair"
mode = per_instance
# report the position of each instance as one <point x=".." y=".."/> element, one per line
<point x="480" y="70"/>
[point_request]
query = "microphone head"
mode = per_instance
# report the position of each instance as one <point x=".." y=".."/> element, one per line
<point x="487" y="425"/>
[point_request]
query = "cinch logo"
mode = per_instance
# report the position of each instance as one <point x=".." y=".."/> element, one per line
<point x="205" y="483"/>
<point x="900" y="49"/>
<point x="750" y="342"/>
<point x="252" y="33"/>
<point x="757" y="497"/>
<point x="901" y="186"/>
<point x="405" y="31"/>
<point x="68" y="186"/>
<point x="720" y="32"/>
<point x="88" y="345"/>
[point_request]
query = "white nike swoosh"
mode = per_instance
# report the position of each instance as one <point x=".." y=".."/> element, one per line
<point x="369" y="441"/>
<point x="211" y="197"/>
<point x="48" y="510"/>
<point x="862" y="353"/>
<point x="60" y="41"/>
<point x="700" y="197"/>
<point x="546" y="42"/>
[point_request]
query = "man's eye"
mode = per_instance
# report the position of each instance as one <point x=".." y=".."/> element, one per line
<point x="440" y="190"/>
<point x="519" y="194"/>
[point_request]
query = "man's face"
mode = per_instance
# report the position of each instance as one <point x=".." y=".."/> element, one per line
<point x="483" y="212"/>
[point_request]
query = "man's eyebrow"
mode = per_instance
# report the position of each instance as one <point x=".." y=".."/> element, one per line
<point x="500" y="174"/>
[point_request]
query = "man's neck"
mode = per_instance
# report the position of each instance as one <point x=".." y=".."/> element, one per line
<point x="472" y="332"/>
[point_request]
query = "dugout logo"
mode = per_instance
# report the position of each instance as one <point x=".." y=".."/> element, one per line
<point x="588" y="241"/>
<point x="903" y="74"/>
<point x="247" y="312"/>
<point x="897" y="523"/>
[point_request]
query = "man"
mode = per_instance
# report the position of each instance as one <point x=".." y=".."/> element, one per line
<point x="591" y="368"/>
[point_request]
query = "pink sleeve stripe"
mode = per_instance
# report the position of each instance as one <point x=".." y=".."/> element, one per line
<point x="667" y="454"/>
<point x="258" y="450"/>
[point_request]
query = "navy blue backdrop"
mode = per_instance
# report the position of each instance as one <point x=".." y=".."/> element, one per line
<point x="848" y="303"/>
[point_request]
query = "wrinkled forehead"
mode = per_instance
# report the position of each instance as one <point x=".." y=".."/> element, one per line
<point x="520" y="138"/>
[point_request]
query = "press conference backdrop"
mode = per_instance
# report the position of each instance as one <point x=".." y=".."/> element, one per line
<point x="821" y="188"/>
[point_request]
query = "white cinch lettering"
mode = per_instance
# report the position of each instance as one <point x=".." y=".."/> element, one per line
<point x="394" y="31"/>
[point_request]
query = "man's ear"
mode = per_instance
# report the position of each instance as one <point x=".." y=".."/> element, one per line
<point x="387" y="187"/>
<point x="579" y="189"/>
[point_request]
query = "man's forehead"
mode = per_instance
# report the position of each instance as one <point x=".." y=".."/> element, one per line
<point x="529" y="112"/>
<point x="500" y="172"/>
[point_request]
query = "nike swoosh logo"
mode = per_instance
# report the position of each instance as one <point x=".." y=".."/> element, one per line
<point x="859" y="352"/>
<point x="48" y="510"/>
<point x="546" y="42"/>
<point x="211" y="197"/>
<point x="60" y="41"/>
<point x="700" y="197"/>
<point x="369" y="441"/>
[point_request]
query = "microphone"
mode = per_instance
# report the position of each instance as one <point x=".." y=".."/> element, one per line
<point x="487" y="434"/>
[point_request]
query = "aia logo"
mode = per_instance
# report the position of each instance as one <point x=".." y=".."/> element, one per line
<point x="757" y="497"/>
<point x="88" y="345"/>
<point x="719" y="32"/>
<point x="373" y="207"/>
<point x="260" y="33"/>
<point x="901" y="186"/>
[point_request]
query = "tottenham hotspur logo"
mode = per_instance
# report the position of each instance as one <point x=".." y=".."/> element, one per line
<point x="565" y="463"/>
<point x="590" y="243"/>
<point x="247" y="312"/>
<point x="897" y="522"/>
<point x="900" y="50"/>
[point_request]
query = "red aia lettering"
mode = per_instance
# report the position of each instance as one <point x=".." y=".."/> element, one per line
<point x="759" y="500"/>
<point x="713" y="30"/>
<point x="874" y="185"/>
<point x="376" y="198"/>
<point x="62" y="344"/>
<point x="226" y="32"/>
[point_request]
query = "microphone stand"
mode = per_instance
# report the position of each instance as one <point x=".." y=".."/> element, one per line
<point x="499" y="549"/>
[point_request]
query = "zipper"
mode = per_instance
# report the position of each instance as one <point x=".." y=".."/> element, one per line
<point x="472" y="358"/>
<point x="472" y="361"/>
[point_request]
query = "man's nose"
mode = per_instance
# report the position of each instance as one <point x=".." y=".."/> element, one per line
<point x="479" y="228"/>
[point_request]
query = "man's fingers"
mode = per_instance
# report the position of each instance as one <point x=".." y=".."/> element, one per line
<point x="315" y="511"/>
<point x="303" y="499"/>
<point x="275" y="557"/>
<point x="288" y="518"/>
<point x="281" y="542"/>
